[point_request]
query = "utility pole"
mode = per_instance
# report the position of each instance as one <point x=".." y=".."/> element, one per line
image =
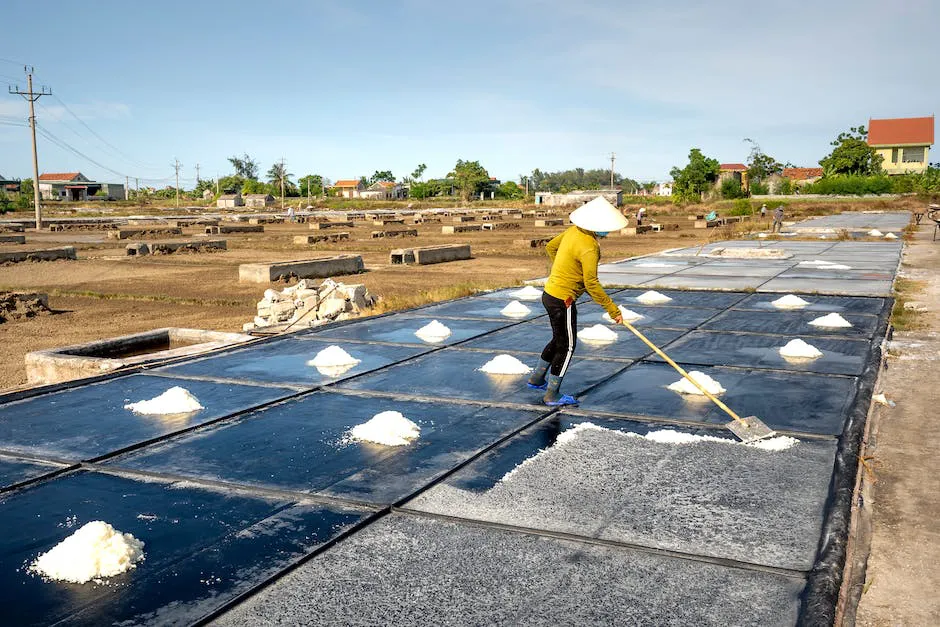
<point x="127" y="190"/>
<point x="197" y="174"/>
<point x="283" y="171"/>
<point x="32" y="97"/>
<point x="613" y="157"/>
<point x="177" y="165"/>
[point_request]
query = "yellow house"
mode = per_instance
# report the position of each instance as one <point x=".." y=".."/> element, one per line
<point x="904" y="143"/>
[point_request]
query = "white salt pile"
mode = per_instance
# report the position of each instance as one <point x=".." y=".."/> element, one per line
<point x="94" y="551"/>
<point x="597" y="333"/>
<point x="832" y="321"/>
<point x="790" y="301"/>
<point x="389" y="428"/>
<point x="684" y="386"/>
<point x="762" y="235"/>
<point x="515" y="309"/>
<point x="527" y="293"/>
<point x="628" y="314"/>
<point x="652" y="297"/>
<point x="332" y="356"/>
<point x="433" y="331"/>
<point x="799" y="349"/>
<point x="875" y="233"/>
<point x="891" y="236"/>
<point x="176" y="400"/>
<point x="505" y="364"/>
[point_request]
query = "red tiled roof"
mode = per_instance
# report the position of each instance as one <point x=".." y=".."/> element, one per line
<point x="801" y="174"/>
<point x="733" y="167"/>
<point x="387" y="184"/>
<point x="347" y="183"/>
<point x="897" y="131"/>
<point x="58" y="176"/>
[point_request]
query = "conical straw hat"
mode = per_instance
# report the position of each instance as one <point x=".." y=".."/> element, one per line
<point x="598" y="215"/>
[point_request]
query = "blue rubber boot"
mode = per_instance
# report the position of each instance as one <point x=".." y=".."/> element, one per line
<point x="537" y="378"/>
<point x="554" y="398"/>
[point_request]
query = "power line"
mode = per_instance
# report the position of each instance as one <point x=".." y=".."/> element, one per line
<point x="68" y="147"/>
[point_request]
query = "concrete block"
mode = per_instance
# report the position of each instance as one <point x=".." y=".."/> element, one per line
<point x="306" y="268"/>
<point x="12" y="239"/>
<point x="426" y="220"/>
<point x="463" y="219"/>
<point x="387" y="221"/>
<point x="398" y="233"/>
<point x="316" y="239"/>
<point x="550" y="222"/>
<point x="460" y="228"/>
<point x="705" y="224"/>
<point x="137" y="249"/>
<point x="234" y="228"/>
<point x="319" y="226"/>
<point x="144" y="232"/>
<point x="12" y="228"/>
<point x="191" y="246"/>
<point x="48" y="254"/>
<point x="425" y="255"/>
<point x="501" y="226"/>
<point x="490" y="218"/>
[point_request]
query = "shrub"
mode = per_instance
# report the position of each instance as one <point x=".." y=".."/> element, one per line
<point x="760" y="189"/>
<point x="742" y="207"/>
<point x="731" y="188"/>
<point x="849" y="185"/>
<point x="785" y="188"/>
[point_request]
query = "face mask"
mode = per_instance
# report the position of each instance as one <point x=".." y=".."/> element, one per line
<point x="602" y="233"/>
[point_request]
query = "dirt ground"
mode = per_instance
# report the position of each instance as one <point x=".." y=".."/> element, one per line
<point x="903" y="575"/>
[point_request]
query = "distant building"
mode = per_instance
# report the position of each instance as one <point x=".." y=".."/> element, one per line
<point x="578" y="197"/>
<point x="383" y="190"/>
<point x="207" y="194"/>
<point x="903" y="143"/>
<point x="802" y="175"/>
<point x="663" y="189"/>
<point x="259" y="200"/>
<point x="737" y="171"/>
<point x="9" y="186"/>
<point x="348" y="188"/>
<point x="230" y="201"/>
<point x="76" y="187"/>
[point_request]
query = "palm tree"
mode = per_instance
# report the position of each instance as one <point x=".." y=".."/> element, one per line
<point x="279" y="173"/>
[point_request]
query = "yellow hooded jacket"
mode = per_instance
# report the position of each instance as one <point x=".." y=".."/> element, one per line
<point x="575" y="254"/>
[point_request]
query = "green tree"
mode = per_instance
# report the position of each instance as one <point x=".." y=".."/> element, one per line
<point x="469" y="178"/>
<point x="201" y="186"/>
<point x="231" y="184"/>
<point x="245" y="167"/>
<point x="731" y="188"/>
<point x="759" y="164"/>
<point x="510" y="190"/>
<point x="5" y="203"/>
<point x="419" y="172"/>
<point x="852" y="155"/>
<point x="26" y="187"/>
<point x="256" y="187"/>
<point x="277" y="173"/>
<point x="696" y="178"/>
<point x="384" y="175"/>
<point x="311" y="185"/>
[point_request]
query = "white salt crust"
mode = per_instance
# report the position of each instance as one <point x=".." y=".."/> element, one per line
<point x="389" y="428"/>
<point x="505" y="364"/>
<point x="652" y="297"/>
<point x="515" y="309"/>
<point x="176" y="400"/>
<point x="433" y="331"/>
<point x="832" y="321"/>
<point x="96" y="550"/>
<point x="597" y="333"/>
<point x="684" y="386"/>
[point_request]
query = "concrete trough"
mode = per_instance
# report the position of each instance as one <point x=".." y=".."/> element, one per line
<point x="425" y="220"/>
<point x="234" y="228"/>
<point x="501" y="226"/>
<point x="463" y="219"/>
<point x="395" y="233"/>
<point x="12" y="228"/>
<point x="101" y="356"/>
<point x="460" y="228"/>
<point x="143" y="232"/>
<point x="705" y="224"/>
<point x="48" y="254"/>
<point x="319" y="226"/>
<point x="301" y="269"/>
<point x="189" y="222"/>
<point x="140" y="249"/>
<point x="12" y="239"/>
<point x="266" y="220"/>
<point x="550" y="222"/>
<point x="308" y="240"/>
<point x="388" y="221"/>
<point x="425" y="255"/>
<point x="82" y="226"/>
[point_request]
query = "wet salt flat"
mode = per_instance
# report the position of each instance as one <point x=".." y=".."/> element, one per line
<point x="229" y="497"/>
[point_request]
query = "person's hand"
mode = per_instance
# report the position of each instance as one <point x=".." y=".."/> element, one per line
<point x="619" y="319"/>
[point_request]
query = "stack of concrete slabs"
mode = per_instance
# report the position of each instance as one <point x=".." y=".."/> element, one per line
<point x="285" y="361"/>
<point x="87" y="422"/>
<point x="305" y="446"/>
<point x="202" y="547"/>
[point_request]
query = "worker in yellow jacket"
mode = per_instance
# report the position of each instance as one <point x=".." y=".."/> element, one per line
<point x="575" y="255"/>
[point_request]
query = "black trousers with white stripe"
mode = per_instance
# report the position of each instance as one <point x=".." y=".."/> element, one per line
<point x="564" y="322"/>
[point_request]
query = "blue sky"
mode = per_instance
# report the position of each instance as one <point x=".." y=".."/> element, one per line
<point x="346" y="88"/>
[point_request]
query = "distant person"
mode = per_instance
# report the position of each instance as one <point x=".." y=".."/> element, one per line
<point x="778" y="220"/>
<point x="640" y="216"/>
<point x="763" y="211"/>
<point x="290" y="213"/>
<point x="575" y="255"/>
